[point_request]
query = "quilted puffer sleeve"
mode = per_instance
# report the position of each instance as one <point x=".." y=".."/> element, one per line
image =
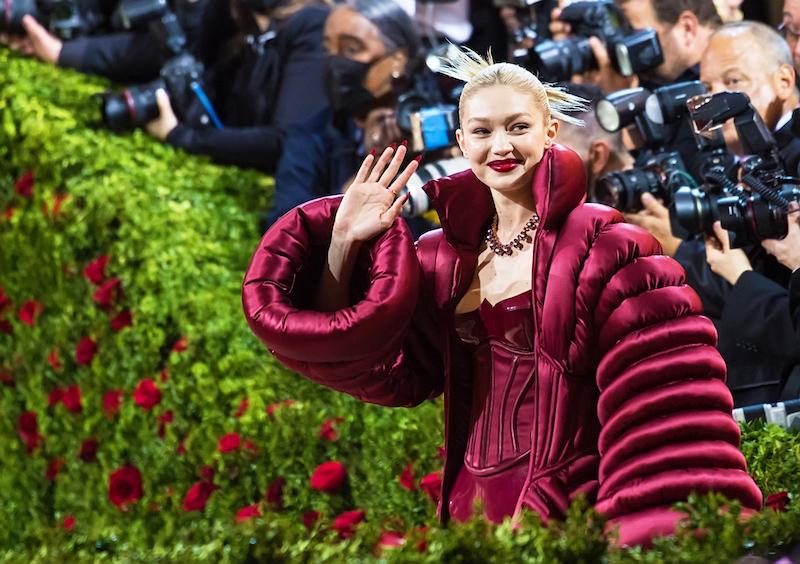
<point x="383" y="349"/>
<point x="665" y="411"/>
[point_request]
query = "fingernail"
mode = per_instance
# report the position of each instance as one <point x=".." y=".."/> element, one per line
<point x="405" y="143"/>
<point x="393" y="146"/>
<point x="418" y="158"/>
<point x="372" y="153"/>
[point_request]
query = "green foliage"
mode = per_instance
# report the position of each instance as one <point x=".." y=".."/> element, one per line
<point x="179" y="232"/>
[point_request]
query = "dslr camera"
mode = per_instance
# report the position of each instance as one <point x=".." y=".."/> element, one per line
<point x="533" y="16"/>
<point x="66" y="19"/>
<point x="631" y="51"/>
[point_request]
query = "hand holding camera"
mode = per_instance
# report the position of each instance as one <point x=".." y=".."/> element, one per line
<point x="787" y="250"/>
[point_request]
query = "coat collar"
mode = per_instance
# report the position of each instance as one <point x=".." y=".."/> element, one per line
<point x="465" y="205"/>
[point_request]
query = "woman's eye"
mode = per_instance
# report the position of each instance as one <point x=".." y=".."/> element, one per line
<point x="519" y="127"/>
<point x="480" y="131"/>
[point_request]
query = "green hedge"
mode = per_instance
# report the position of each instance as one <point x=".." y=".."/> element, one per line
<point x="178" y="233"/>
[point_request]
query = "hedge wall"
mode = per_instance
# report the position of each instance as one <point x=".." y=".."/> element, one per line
<point x="143" y="422"/>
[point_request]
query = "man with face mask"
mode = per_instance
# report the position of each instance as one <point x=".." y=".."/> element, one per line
<point x="373" y="51"/>
<point x="745" y="290"/>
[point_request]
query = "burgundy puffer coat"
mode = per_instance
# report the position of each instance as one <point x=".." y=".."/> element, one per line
<point x="631" y="403"/>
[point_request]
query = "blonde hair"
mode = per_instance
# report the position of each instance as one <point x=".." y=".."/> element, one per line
<point x="468" y="66"/>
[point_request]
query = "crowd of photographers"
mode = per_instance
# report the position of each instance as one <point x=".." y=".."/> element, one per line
<point x="692" y="134"/>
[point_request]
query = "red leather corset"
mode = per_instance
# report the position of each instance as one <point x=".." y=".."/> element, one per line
<point x="501" y="419"/>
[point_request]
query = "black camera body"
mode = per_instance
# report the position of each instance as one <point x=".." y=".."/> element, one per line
<point x="533" y="16"/>
<point x="751" y="214"/>
<point x="631" y="51"/>
<point x="66" y="19"/>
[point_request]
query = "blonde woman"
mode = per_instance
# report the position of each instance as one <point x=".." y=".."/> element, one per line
<point x="570" y="352"/>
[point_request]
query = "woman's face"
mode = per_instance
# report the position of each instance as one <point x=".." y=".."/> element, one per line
<point x="503" y="135"/>
<point x="349" y="34"/>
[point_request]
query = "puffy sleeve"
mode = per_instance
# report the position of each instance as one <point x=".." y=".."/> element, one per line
<point x="384" y="348"/>
<point x="664" y="408"/>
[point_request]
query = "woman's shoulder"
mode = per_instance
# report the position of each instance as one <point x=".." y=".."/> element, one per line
<point x="606" y="230"/>
<point x="307" y="20"/>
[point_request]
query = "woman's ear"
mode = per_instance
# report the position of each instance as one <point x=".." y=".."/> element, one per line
<point x="399" y="63"/>
<point x="551" y="132"/>
<point x="460" y="140"/>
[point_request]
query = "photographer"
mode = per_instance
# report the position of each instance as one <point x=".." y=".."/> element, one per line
<point x="790" y="29"/>
<point x="683" y="28"/>
<point x="373" y="51"/>
<point x="123" y="56"/>
<point x="271" y="79"/>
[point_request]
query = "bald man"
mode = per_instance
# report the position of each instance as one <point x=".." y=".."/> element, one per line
<point x="753" y="58"/>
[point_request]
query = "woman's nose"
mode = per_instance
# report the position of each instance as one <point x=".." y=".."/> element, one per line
<point x="500" y="143"/>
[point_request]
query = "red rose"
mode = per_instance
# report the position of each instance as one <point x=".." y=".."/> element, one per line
<point x="7" y="378"/>
<point x="53" y="468"/>
<point x="777" y="501"/>
<point x="54" y="397"/>
<point x="9" y="212"/>
<point x="406" y="477"/>
<point x="85" y="351"/>
<point x="163" y="376"/>
<point x="440" y="452"/>
<point x="248" y="512"/>
<point x="272" y="408"/>
<point x="112" y="400"/>
<point x="24" y="185"/>
<point x="54" y="360"/>
<point x="29" y="311"/>
<point x="180" y="345"/>
<point x="147" y="395"/>
<point x="71" y="398"/>
<point x="125" y="486"/>
<point x="69" y="523"/>
<point x="248" y="444"/>
<point x="181" y="448"/>
<point x="329" y="476"/>
<point x="327" y="432"/>
<point x="432" y="485"/>
<point x="390" y="539"/>
<point x="5" y="301"/>
<point x="345" y="523"/>
<point x="207" y="473"/>
<point x="6" y="327"/>
<point x="95" y="271"/>
<point x="274" y="494"/>
<point x="310" y="518"/>
<point x="229" y="442"/>
<point x="245" y="403"/>
<point x="28" y="430"/>
<point x="197" y="496"/>
<point x="122" y="320"/>
<point x="163" y="420"/>
<point x="422" y="545"/>
<point x="88" y="451"/>
<point x="106" y="293"/>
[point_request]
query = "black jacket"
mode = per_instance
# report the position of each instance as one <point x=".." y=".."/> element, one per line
<point x="259" y="94"/>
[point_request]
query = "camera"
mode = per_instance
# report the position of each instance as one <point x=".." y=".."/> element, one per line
<point x="626" y="109"/>
<point x="429" y="120"/>
<point x="631" y="51"/>
<point x="418" y="203"/>
<point x="533" y="16"/>
<point x="751" y="215"/>
<point x="661" y="175"/>
<point x="66" y="19"/>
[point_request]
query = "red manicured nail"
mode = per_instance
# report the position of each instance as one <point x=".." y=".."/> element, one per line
<point x="393" y="146"/>
<point x="372" y="153"/>
<point x="418" y="158"/>
<point x="404" y="143"/>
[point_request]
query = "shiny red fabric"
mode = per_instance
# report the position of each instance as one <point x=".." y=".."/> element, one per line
<point x="630" y="403"/>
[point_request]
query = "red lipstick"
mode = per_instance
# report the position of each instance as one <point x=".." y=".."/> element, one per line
<point x="505" y="165"/>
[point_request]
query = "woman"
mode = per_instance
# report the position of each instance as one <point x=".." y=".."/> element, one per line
<point x="269" y="79"/>
<point x="373" y="48"/>
<point x="573" y="359"/>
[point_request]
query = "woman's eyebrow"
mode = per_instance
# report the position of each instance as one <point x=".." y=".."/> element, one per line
<point x="512" y="117"/>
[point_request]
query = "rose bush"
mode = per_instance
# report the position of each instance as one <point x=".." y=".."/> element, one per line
<point x="121" y="262"/>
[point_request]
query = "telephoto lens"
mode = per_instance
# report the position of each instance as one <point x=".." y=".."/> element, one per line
<point x="623" y="189"/>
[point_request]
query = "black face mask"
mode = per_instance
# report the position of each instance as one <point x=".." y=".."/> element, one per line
<point x="344" y="85"/>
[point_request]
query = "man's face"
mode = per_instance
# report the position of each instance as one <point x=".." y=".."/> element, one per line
<point x="641" y="14"/>
<point x="791" y="28"/>
<point x="736" y="63"/>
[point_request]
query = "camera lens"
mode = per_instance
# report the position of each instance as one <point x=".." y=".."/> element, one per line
<point x="130" y="108"/>
<point x="623" y="190"/>
<point x="14" y="11"/>
<point x="695" y="210"/>
<point x="557" y="61"/>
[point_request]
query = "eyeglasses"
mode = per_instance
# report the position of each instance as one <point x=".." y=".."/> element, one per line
<point x="789" y="32"/>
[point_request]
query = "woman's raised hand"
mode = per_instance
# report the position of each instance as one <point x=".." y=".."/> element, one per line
<point x="370" y="204"/>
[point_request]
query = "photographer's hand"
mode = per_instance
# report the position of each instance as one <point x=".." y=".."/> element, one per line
<point x="44" y="45"/>
<point x="605" y="77"/>
<point x="787" y="250"/>
<point x="724" y="261"/>
<point x="655" y="219"/>
<point x="381" y="129"/>
<point x="166" y="120"/>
